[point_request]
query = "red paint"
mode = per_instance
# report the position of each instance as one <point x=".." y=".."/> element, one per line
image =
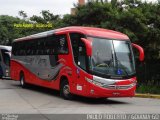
<point x="88" y="44"/>
<point x="141" y="51"/>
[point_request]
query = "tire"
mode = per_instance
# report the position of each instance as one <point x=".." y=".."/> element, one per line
<point x="65" y="90"/>
<point x="22" y="81"/>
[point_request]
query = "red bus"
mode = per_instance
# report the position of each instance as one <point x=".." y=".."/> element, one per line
<point x="85" y="61"/>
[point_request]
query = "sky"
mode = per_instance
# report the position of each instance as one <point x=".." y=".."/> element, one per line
<point x="34" y="7"/>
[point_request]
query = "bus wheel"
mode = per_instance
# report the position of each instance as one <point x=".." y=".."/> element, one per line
<point x="22" y="81"/>
<point x="65" y="90"/>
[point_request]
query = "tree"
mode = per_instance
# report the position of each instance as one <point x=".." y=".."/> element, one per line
<point x="22" y="14"/>
<point x="46" y="17"/>
<point x="8" y="32"/>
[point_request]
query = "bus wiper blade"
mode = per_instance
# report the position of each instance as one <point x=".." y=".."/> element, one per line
<point x="117" y="61"/>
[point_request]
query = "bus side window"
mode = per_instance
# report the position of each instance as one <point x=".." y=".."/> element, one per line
<point x="0" y="56"/>
<point x="56" y="44"/>
<point x="50" y="45"/>
<point x="31" y="47"/>
<point x="28" y="48"/>
<point x="22" y="48"/>
<point x="74" y="41"/>
<point x="41" y="46"/>
<point x="62" y="44"/>
<point x="15" y="48"/>
<point x="79" y="49"/>
<point x="82" y="55"/>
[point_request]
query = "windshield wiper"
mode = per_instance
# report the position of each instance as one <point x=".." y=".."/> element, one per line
<point x="118" y="61"/>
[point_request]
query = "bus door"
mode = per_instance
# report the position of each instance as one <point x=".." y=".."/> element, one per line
<point x="80" y="60"/>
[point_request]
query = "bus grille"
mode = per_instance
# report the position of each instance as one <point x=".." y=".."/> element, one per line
<point x="119" y="87"/>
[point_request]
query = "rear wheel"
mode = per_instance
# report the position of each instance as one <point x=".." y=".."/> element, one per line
<point x="65" y="90"/>
<point x="22" y="81"/>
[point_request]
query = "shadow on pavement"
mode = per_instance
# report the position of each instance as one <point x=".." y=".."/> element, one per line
<point x="76" y="98"/>
<point x="6" y="78"/>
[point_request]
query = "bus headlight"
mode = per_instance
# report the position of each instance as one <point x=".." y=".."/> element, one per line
<point x="95" y="82"/>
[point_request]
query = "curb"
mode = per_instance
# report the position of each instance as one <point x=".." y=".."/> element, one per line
<point x="147" y="95"/>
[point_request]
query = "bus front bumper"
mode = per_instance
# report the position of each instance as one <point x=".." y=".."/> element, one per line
<point x="99" y="92"/>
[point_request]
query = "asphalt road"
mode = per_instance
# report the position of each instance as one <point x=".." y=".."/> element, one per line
<point x="37" y="100"/>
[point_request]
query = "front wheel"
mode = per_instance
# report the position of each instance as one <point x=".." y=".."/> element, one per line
<point x="65" y="90"/>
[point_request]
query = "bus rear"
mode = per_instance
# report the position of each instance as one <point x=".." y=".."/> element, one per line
<point x="5" y="55"/>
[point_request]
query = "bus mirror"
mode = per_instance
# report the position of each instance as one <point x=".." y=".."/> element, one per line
<point x="140" y="50"/>
<point x="88" y="44"/>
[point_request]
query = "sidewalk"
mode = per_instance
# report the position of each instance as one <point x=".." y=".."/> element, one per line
<point x="147" y="95"/>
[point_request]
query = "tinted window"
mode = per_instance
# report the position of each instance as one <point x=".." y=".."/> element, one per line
<point x="6" y="57"/>
<point x="55" y="44"/>
<point x="79" y="49"/>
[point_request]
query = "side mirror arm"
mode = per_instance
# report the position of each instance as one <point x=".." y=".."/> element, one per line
<point x="141" y="51"/>
<point x="88" y="44"/>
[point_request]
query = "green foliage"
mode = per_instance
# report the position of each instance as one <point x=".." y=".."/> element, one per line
<point x="45" y="18"/>
<point x="7" y="30"/>
<point x="148" y="89"/>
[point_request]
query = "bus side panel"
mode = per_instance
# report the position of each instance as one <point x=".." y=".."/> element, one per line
<point x="14" y="69"/>
<point x="75" y="75"/>
<point x="31" y="78"/>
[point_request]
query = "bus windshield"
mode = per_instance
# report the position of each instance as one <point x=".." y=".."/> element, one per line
<point x="111" y="58"/>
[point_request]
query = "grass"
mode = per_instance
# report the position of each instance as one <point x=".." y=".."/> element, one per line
<point x="147" y="96"/>
<point x="148" y="89"/>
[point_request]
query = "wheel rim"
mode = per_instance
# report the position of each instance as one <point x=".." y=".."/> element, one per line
<point x="22" y="81"/>
<point x="66" y="90"/>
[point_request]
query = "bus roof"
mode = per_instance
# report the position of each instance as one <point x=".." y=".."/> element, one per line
<point x="9" y="48"/>
<point x="90" y="31"/>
